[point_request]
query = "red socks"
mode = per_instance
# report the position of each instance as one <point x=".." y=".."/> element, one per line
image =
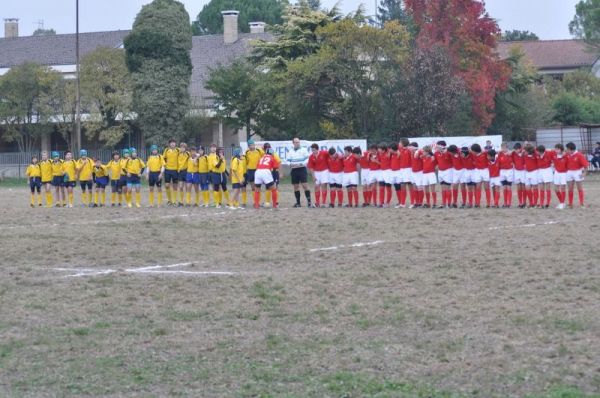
<point x="355" y="194"/>
<point x="274" y="196"/>
<point x="324" y="196"/>
<point x="317" y="197"/>
<point x="581" y="195"/>
<point x="402" y="196"/>
<point x="388" y="194"/>
<point x="340" y="195"/>
<point x="496" y="197"/>
<point x="477" y="196"/>
<point x="488" y="195"/>
<point x="256" y="199"/>
<point x="463" y="194"/>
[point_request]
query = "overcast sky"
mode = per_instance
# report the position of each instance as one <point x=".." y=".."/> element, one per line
<point x="549" y="19"/>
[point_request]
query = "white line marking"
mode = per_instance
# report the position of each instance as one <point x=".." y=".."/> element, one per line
<point x="153" y="269"/>
<point x="358" y="244"/>
<point x="189" y="272"/>
<point x="525" y="225"/>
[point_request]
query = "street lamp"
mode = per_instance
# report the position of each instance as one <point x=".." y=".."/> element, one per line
<point x="77" y="92"/>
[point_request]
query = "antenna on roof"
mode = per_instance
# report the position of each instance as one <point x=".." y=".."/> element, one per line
<point x="40" y="24"/>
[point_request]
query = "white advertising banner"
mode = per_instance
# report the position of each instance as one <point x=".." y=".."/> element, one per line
<point x="283" y="147"/>
<point x="460" y="141"/>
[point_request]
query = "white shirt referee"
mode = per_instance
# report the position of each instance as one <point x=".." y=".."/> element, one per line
<point x="297" y="158"/>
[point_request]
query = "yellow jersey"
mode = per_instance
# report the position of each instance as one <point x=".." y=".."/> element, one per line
<point x="33" y="170"/>
<point x="114" y="168"/>
<point x="135" y="166"/>
<point x="192" y="165"/>
<point x="46" y="170"/>
<point x="252" y="158"/>
<point x="237" y="170"/>
<point x="100" y="171"/>
<point x="155" y="163"/>
<point x="215" y="164"/>
<point x="182" y="160"/>
<point x="57" y="168"/>
<point x="203" y="164"/>
<point x="69" y="167"/>
<point x="85" y="167"/>
<point x="123" y="163"/>
<point x="171" y="157"/>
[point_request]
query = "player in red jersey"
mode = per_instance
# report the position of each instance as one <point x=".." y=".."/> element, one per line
<point x="457" y="172"/>
<point x="264" y="175"/>
<point x="444" y="164"/>
<point x="518" y="156"/>
<point x="406" y="156"/>
<point x="365" y="178"/>
<point x="577" y="165"/>
<point x="374" y="173"/>
<point x="495" y="181"/>
<point x="481" y="174"/>
<point x="507" y="173"/>
<point x="319" y="168"/>
<point x="396" y="177"/>
<point x="531" y="175"/>
<point x="467" y="176"/>
<point x="335" y="165"/>
<point x="384" y="179"/>
<point x="350" y="180"/>
<point x="545" y="175"/>
<point x="429" y="179"/>
<point x="417" y="194"/>
<point x="559" y="161"/>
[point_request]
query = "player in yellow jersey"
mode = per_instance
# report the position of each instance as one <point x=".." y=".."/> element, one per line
<point x="252" y="156"/>
<point x="123" y="180"/>
<point x="46" y="169"/>
<point x="171" y="156"/>
<point x="101" y="179"/>
<point x="204" y="176"/>
<point x="182" y="163"/>
<point x="134" y="168"/>
<point x="114" y="169"/>
<point x="217" y="166"/>
<point x="34" y="173"/>
<point x="192" y="179"/>
<point x="70" y="173"/>
<point x="156" y="169"/>
<point x="237" y="177"/>
<point x="84" y="171"/>
<point x="58" y="179"/>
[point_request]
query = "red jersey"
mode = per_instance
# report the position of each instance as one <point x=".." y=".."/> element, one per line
<point x="494" y="168"/>
<point x="384" y="160"/>
<point x="457" y="161"/>
<point x="519" y="160"/>
<point x="373" y="162"/>
<point x="417" y="162"/>
<point x="318" y="162"/>
<point x="395" y="161"/>
<point x="350" y="163"/>
<point x="429" y="163"/>
<point x="444" y="160"/>
<point x="267" y="162"/>
<point x="335" y="164"/>
<point x="468" y="163"/>
<point x="406" y="156"/>
<point x="577" y="161"/>
<point x="505" y="160"/>
<point x="531" y="163"/>
<point x="545" y="160"/>
<point x="364" y="160"/>
<point x="560" y="162"/>
<point x="480" y="161"/>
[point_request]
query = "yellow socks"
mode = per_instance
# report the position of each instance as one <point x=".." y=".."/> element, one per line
<point x="70" y="195"/>
<point x="217" y="197"/>
<point x="159" y="198"/>
<point x="226" y="198"/>
<point x="181" y="196"/>
<point x="206" y="197"/>
<point x="103" y="198"/>
<point x="32" y="200"/>
<point x="268" y="196"/>
<point x="113" y="198"/>
<point x="48" y="199"/>
<point x="188" y="198"/>
<point x="244" y="197"/>
<point x="138" y="199"/>
<point x="169" y="195"/>
<point x="197" y="198"/>
<point x="151" y="198"/>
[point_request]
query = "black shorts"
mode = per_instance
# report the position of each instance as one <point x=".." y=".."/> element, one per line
<point x="57" y="181"/>
<point x="171" y="176"/>
<point x="86" y="184"/>
<point x="182" y="176"/>
<point x="275" y="176"/>
<point x="70" y="184"/>
<point x="153" y="179"/>
<point x="35" y="183"/>
<point x="299" y="175"/>
<point x="249" y="176"/>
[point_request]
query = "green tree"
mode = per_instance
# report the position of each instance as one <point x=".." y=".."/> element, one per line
<point x="582" y="83"/>
<point x="586" y="23"/>
<point x="61" y="100"/>
<point x="209" y="21"/>
<point x="106" y="90"/>
<point x="43" y="32"/>
<point x="390" y="10"/>
<point x="519" y="35"/>
<point x="24" y="110"/>
<point x="571" y="109"/>
<point x="158" y="57"/>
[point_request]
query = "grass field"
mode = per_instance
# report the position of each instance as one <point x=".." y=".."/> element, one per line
<point x="347" y="303"/>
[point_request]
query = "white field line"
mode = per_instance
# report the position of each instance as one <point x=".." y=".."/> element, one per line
<point x="526" y="225"/>
<point x="357" y="244"/>
<point x="155" y="269"/>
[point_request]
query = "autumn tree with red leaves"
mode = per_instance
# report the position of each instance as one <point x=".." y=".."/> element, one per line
<point x="470" y="35"/>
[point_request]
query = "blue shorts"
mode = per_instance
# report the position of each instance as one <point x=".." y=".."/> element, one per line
<point x="85" y="184"/>
<point x="69" y="184"/>
<point x="101" y="182"/>
<point x="35" y="183"/>
<point x="133" y="181"/>
<point x="182" y="175"/>
<point x="122" y="181"/>
<point x="275" y="176"/>
<point x="153" y="179"/>
<point x="219" y="179"/>
<point x="204" y="181"/>
<point x="171" y="176"/>
<point x="250" y="175"/>
<point x="57" y="181"/>
<point x="192" y="178"/>
<point x="116" y="186"/>
<point x="237" y="185"/>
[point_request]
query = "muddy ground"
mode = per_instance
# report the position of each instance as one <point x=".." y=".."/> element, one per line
<point x="347" y="302"/>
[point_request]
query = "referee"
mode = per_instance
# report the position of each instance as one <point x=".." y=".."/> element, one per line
<point x="297" y="158"/>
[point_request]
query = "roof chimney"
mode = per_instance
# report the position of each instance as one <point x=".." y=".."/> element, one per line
<point x="11" y="28"/>
<point x="257" y="27"/>
<point x="230" y="26"/>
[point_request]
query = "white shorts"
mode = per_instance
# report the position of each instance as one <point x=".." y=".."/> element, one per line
<point x="531" y="178"/>
<point x="560" y="178"/>
<point x="381" y="175"/>
<point x="466" y="177"/>
<point x="365" y="176"/>
<point x="388" y="176"/>
<point x="406" y="175"/>
<point x="457" y="175"/>
<point x="335" y="178"/>
<point x="417" y="178"/>
<point x="507" y="175"/>
<point x="350" y="179"/>
<point x="396" y="177"/>
<point x="545" y="176"/>
<point x="263" y="176"/>
<point x="445" y="176"/>
<point x="321" y="177"/>
<point x="481" y="175"/>
<point x="429" y="179"/>
<point x="495" y="181"/>
<point x="519" y="177"/>
<point x="574" y="175"/>
<point x="374" y="176"/>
